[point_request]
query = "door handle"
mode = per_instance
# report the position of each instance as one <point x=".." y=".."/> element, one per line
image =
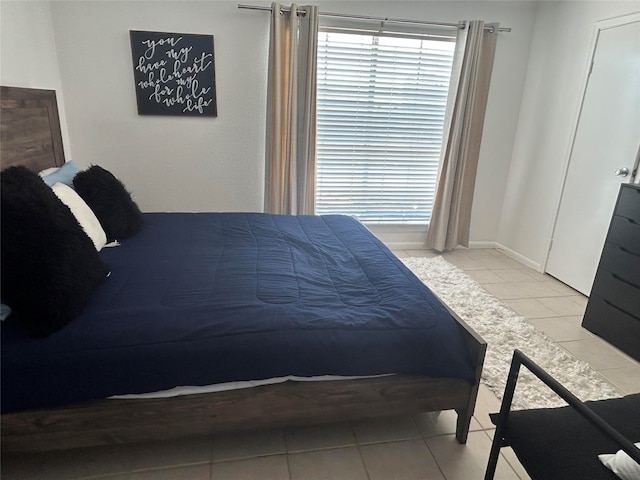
<point x="621" y="172"/>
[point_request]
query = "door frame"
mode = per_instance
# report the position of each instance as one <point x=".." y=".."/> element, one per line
<point x="600" y="26"/>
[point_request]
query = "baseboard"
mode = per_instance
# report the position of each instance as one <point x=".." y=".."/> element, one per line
<point x="474" y="245"/>
<point x="420" y="245"/>
<point x="483" y="245"/>
<point x="520" y="258"/>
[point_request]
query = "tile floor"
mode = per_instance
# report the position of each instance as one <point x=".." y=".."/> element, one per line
<point x="402" y="448"/>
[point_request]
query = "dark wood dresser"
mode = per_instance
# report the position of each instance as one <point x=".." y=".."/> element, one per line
<point x="613" y="311"/>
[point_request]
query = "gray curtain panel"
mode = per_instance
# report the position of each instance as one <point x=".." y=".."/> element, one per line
<point x="471" y="77"/>
<point x="291" y="110"/>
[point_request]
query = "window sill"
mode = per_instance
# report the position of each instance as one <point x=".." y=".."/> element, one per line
<point x="400" y="236"/>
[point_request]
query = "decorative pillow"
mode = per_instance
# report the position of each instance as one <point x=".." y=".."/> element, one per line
<point x="64" y="174"/>
<point x="622" y="464"/>
<point x="110" y="201"/>
<point x="83" y="214"/>
<point x="49" y="265"/>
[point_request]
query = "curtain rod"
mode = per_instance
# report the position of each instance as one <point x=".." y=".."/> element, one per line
<point x="378" y="19"/>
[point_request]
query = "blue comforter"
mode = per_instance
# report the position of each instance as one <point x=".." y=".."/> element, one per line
<point x="204" y="298"/>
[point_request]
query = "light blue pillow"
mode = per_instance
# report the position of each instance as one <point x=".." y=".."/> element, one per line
<point x="64" y="174"/>
<point x="5" y="311"/>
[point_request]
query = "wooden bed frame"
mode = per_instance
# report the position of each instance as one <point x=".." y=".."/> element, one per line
<point x="31" y="136"/>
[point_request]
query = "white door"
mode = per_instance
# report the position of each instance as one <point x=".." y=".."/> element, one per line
<point x="607" y="139"/>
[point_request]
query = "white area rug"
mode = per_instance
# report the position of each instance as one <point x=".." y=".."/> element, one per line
<point x="504" y="331"/>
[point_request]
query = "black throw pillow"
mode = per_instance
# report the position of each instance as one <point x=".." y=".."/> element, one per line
<point x="50" y="266"/>
<point x="110" y="201"/>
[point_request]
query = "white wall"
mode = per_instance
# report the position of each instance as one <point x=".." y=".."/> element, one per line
<point x="169" y="163"/>
<point x="28" y="52"/>
<point x="217" y="164"/>
<point x="553" y="90"/>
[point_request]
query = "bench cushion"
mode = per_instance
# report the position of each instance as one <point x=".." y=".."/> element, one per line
<point x="559" y="443"/>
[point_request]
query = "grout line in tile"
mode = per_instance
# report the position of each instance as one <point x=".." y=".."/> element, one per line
<point x="175" y="465"/>
<point x="364" y="464"/>
<point x="435" y="459"/>
<point x="255" y="455"/>
<point x="506" y="459"/>
<point x="286" y="455"/>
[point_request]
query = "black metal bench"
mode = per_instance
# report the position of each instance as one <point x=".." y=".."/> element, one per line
<point x="563" y="443"/>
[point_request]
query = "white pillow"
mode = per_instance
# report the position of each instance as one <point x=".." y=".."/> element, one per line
<point x="85" y="216"/>
<point x="622" y="464"/>
<point x="48" y="171"/>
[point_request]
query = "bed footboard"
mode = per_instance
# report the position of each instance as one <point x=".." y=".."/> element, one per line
<point x="106" y="422"/>
<point x="477" y="348"/>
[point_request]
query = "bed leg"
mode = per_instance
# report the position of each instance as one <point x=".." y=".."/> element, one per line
<point x="465" y="415"/>
<point x="462" y="425"/>
<point x="477" y="349"/>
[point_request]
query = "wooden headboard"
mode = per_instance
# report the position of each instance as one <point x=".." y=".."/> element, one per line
<point x="30" y="132"/>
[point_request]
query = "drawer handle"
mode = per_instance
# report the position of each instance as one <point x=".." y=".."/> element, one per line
<point x="620" y="279"/>
<point x="628" y="252"/>
<point x="619" y="309"/>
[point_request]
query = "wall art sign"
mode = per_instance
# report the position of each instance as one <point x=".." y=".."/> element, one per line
<point x="174" y="73"/>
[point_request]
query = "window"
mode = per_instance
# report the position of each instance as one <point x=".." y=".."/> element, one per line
<point x="380" y="115"/>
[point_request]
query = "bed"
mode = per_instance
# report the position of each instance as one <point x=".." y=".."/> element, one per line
<point x="173" y="312"/>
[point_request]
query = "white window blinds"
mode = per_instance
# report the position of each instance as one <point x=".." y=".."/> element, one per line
<point x="380" y="114"/>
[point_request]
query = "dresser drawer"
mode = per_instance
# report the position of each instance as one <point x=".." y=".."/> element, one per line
<point x="612" y="288"/>
<point x="622" y="262"/>
<point x="614" y="326"/>
<point x="629" y="203"/>
<point x="625" y="233"/>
